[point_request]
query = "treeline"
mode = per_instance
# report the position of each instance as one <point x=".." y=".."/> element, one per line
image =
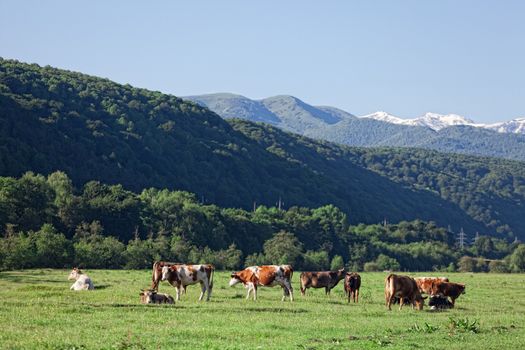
<point x="49" y="223"/>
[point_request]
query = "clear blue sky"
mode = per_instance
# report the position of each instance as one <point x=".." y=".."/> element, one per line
<point x="404" y="57"/>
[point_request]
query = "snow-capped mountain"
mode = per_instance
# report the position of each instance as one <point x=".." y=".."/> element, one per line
<point x="433" y="121"/>
<point x="515" y="126"/>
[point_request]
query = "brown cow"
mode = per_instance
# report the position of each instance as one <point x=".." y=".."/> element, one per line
<point x="266" y="275"/>
<point x="180" y="276"/>
<point x="352" y="285"/>
<point x="156" y="273"/>
<point x="321" y="279"/>
<point x="448" y="289"/>
<point x="402" y="287"/>
<point x="425" y="283"/>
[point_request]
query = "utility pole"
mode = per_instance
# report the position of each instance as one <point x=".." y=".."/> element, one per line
<point x="462" y="239"/>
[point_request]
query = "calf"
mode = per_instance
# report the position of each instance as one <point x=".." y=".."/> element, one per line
<point x="397" y="286"/>
<point x="437" y="302"/>
<point x="321" y="279"/>
<point x="152" y="297"/>
<point x="82" y="281"/>
<point x="180" y="276"/>
<point x="266" y="275"/>
<point x="352" y="285"/>
<point x="424" y="284"/>
<point x="448" y="289"/>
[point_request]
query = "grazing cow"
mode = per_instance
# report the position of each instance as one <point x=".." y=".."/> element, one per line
<point x="180" y="276"/>
<point x="156" y="273"/>
<point x="321" y="279"/>
<point x="448" y="289"/>
<point x="425" y="283"/>
<point x="402" y="287"/>
<point x="152" y="297"/>
<point x="268" y="276"/>
<point x="437" y="302"/>
<point x="352" y="285"/>
<point x="82" y="281"/>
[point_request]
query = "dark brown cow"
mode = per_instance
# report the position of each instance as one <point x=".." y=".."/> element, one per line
<point x="425" y="283"/>
<point x="321" y="279"/>
<point x="397" y="286"/>
<point x="448" y="289"/>
<point x="266" y="275"/>
<point x="352" y="285"/>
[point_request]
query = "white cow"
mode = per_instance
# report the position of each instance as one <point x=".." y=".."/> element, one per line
<point x="82" y="281"/>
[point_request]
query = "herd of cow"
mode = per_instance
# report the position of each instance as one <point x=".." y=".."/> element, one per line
<point x="398" y="288"/>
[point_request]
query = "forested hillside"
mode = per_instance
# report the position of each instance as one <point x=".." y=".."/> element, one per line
<point x="49" y="223"/>
<point x="94" y="129"/>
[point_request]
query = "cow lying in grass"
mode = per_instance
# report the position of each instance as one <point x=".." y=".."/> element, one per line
<point x="437" y="302"/>
<point x="152" y="297"/>
<point x="82" y="281"/>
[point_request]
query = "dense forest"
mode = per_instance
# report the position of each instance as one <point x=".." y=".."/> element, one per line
<point x="50" y="223"/>
<point x="93" y="129"/>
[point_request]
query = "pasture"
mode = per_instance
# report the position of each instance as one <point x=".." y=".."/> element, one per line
<point x="37" y="310"/>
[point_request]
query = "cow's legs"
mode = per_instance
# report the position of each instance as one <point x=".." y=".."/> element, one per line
<point x="203" y="290"/>
<point x="389" y="299"/>
<point x="178" y="288"/>
<point x="250" y="287"/>
<point x="327" y="290"/>
<point x="287" y="290"/>
<point x="356" y="296"/>
<point x="208" y="287"/>
<point x="254" y="292"/>
<point x="402" y="302"/>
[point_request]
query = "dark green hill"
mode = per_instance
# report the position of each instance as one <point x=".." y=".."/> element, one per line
<point x="95" y="129"/>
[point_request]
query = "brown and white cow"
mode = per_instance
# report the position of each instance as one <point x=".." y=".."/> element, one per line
<point x="352" y="285"/>
<point x="321" y="279"/>
<point x="152" y="297"/>
<point x="398" y="286"/>
<point x="266" y="275"/>
<point x="425" y="283"/>
<point x="448" y="289"/>
<point x="180" y="276"/>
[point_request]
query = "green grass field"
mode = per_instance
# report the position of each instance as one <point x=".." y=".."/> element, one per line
<point x="38" y="311"/>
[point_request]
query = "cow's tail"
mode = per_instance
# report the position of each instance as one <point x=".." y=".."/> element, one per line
<point x="212" y="270"/>
<point x="155" y="278"/>
<point x="389" y="287"/>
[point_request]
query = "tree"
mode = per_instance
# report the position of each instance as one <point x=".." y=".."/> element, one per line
<point x="337" y="263"/>
<point x="466" y="264"/>
<point x="52" y="248"/>
<point x="316" y="260"/>
<point x="384" y="262"/>
<point x="517" y="259"/>
<point x="283" y="248"/>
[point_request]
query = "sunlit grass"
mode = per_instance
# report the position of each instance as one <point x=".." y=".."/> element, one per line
<point x="37" y="310"/>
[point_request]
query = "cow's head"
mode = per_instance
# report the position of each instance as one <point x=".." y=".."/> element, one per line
<point x="234" y="279"/>
<point x="341" y="273"/>
<point x="461" y="288"/>
<point x="73" y="275"/>
<point x="146" y="296"/>
<point x="419" y="301"/>
<point x="166" y="273"/>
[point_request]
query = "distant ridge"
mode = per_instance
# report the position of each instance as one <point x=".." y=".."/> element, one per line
<point x="442" y="132"/>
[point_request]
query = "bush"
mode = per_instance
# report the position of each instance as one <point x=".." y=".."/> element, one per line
<point x="384" y="262"/>
<point x="337" y="263"/>
<point x="371" y="266"/>
<point x="315" y="260"/>
<point x="466" y="264"/>
<point x="99" y="252"/>
<point x="498" y="266"/>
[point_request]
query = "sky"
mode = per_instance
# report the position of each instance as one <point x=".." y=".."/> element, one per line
<point x="403" y="57"/>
